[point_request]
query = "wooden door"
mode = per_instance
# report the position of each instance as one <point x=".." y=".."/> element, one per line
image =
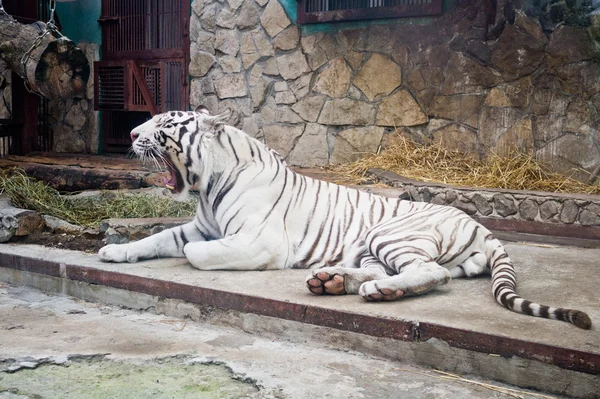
<point x="144" y="67"/>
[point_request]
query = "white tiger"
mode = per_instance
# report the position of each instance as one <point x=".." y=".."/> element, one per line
<point x="255" y="213"/>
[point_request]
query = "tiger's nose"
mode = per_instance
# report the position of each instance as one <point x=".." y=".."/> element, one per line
<point x="134" y="135"/>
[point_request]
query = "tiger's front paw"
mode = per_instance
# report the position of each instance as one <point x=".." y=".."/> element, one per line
<point x="117" y="253"/>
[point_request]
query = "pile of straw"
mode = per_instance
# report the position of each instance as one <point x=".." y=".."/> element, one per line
<point x="28" y="193"/>
<point x="432" y="163"/>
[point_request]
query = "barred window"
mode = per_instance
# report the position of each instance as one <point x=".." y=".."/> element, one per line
<point x="313" y="11"/>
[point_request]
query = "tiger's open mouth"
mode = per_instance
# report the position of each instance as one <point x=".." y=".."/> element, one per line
<point x="174" y="182"/>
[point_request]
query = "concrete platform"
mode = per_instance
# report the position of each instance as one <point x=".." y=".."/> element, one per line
<point x="458" y="328"/>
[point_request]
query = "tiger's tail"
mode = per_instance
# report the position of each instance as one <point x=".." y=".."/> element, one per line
<point x="504" y="284"/>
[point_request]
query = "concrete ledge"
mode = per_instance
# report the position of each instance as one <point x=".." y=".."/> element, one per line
<point x="461" y="315"/>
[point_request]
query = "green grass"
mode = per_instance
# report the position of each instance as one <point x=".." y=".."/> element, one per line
<point x="28" y="193"/>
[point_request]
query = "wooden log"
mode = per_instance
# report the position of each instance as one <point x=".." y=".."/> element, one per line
<point x="55" y="68"/>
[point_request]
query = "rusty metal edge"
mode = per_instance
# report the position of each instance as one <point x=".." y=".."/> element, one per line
<point x="403" y="330"/>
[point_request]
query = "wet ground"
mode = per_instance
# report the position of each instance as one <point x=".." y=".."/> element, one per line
<point x="58" y="347"/>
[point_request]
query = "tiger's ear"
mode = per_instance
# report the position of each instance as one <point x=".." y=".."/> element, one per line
<point x="219" y="120"/>
<point x="202" y="109"/>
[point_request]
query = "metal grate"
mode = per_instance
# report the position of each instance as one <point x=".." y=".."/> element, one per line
<point x="312" y="11"/>
<point x="137" y="25"/>
<point x="110" y="86"/>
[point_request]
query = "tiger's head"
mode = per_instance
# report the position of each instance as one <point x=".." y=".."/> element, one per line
<point x="174" y="139"/>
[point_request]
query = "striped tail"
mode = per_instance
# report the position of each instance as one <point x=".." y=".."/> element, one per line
<point x="504" y="283"/>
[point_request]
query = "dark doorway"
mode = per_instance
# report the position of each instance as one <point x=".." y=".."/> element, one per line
<point x="24" y="117"/>
<point x="144" y="67"/>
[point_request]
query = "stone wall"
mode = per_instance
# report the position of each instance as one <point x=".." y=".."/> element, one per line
<point x="566" y="209"/>
<point x="327" y="97"/>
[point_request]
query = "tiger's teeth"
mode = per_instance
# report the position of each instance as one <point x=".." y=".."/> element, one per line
<point x="170" y="187"/>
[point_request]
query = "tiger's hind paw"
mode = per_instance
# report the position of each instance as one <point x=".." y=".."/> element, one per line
<point x="372" y="293"/>
<point x="321" y="282"/>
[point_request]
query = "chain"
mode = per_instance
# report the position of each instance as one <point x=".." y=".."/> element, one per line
<point x="4" y="13"/>
<point x="50" y="29"/>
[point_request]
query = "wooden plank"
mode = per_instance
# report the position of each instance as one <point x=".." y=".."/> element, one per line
<point x="141" y="81"/>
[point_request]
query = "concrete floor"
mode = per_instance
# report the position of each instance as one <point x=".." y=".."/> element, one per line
<point x="59" y="347"/>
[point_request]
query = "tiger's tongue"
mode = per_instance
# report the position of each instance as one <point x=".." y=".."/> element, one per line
<point x="171" y="181"/>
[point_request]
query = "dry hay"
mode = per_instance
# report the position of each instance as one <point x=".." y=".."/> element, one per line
<point x="28" y="193"/>
<point x="435" y="164"/>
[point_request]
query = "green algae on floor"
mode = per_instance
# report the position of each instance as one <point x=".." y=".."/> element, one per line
<point x="104" y="379"/>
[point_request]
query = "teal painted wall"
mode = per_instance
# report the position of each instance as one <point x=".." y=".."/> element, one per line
<point x="291" y="9"/>
<point x="79" y="20"/>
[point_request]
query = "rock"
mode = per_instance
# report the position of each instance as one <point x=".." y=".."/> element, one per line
<point x="309" y="107"/>
<point x="400" y="109"/>
<point x="235" y="4"/>
<point x="121" y="231"/>
<point x="316" y="59"/>
<point x="494" y="123"/>
<point x="518" y="137"/>
<point x="205" y="42"/>
<point x="286" y="115"/>
<point x="464" y="205"/>
<point x="549" y="209"/>
<point x="528" y="209"/>
<point x="200" y="63"/>
<point x="334" y="79"/>
<point x="274" y="19"/>
<point x="497" y="98"/>
<point x="292" y="66"/>
<point x="281" y="86"/>
<point x="569" y="212"/>
<point x="570" y="44"/>
<point x="520" y="49"/>
<point x="248" y="60"/>
<point x="345" y="111"/>
<point x="258" y="92"/>
<point x="300" y="87"/>
<point x="76" y="117"/>
<point x="311" y="148"/>
<point x="67" y="140"/>
<point x="505" y="205"/>
<point x="61" y="226"/>
<point x="250" y="126"/>
<point x="482" y="204"/>
<point x="378" y="76"/>
<point x="351" y="144"/>
<point x="249" y="15"/>
<point x="16" y="221"/>
<point x="208" y="17"/>
<point x="285" y="97"/>
<point x="460" y="108"/>
<point x="354" y="59"/>
<point x="229" y="64"/>
<point x="457" y="138"/>
<point x="227" y="41"/>
<point x="263" y="44"/>
<point x="8" y="227"/>
<point x="288" y="39"/>
<point x="231" y="85"/>
<point x="282" y="138"/>
<point x="226" y="19"/>
<point x="270" y="67"/>
<point x="569" y="153"/>
<point x="463" y="75"/>
<point x="590" y="216"/>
